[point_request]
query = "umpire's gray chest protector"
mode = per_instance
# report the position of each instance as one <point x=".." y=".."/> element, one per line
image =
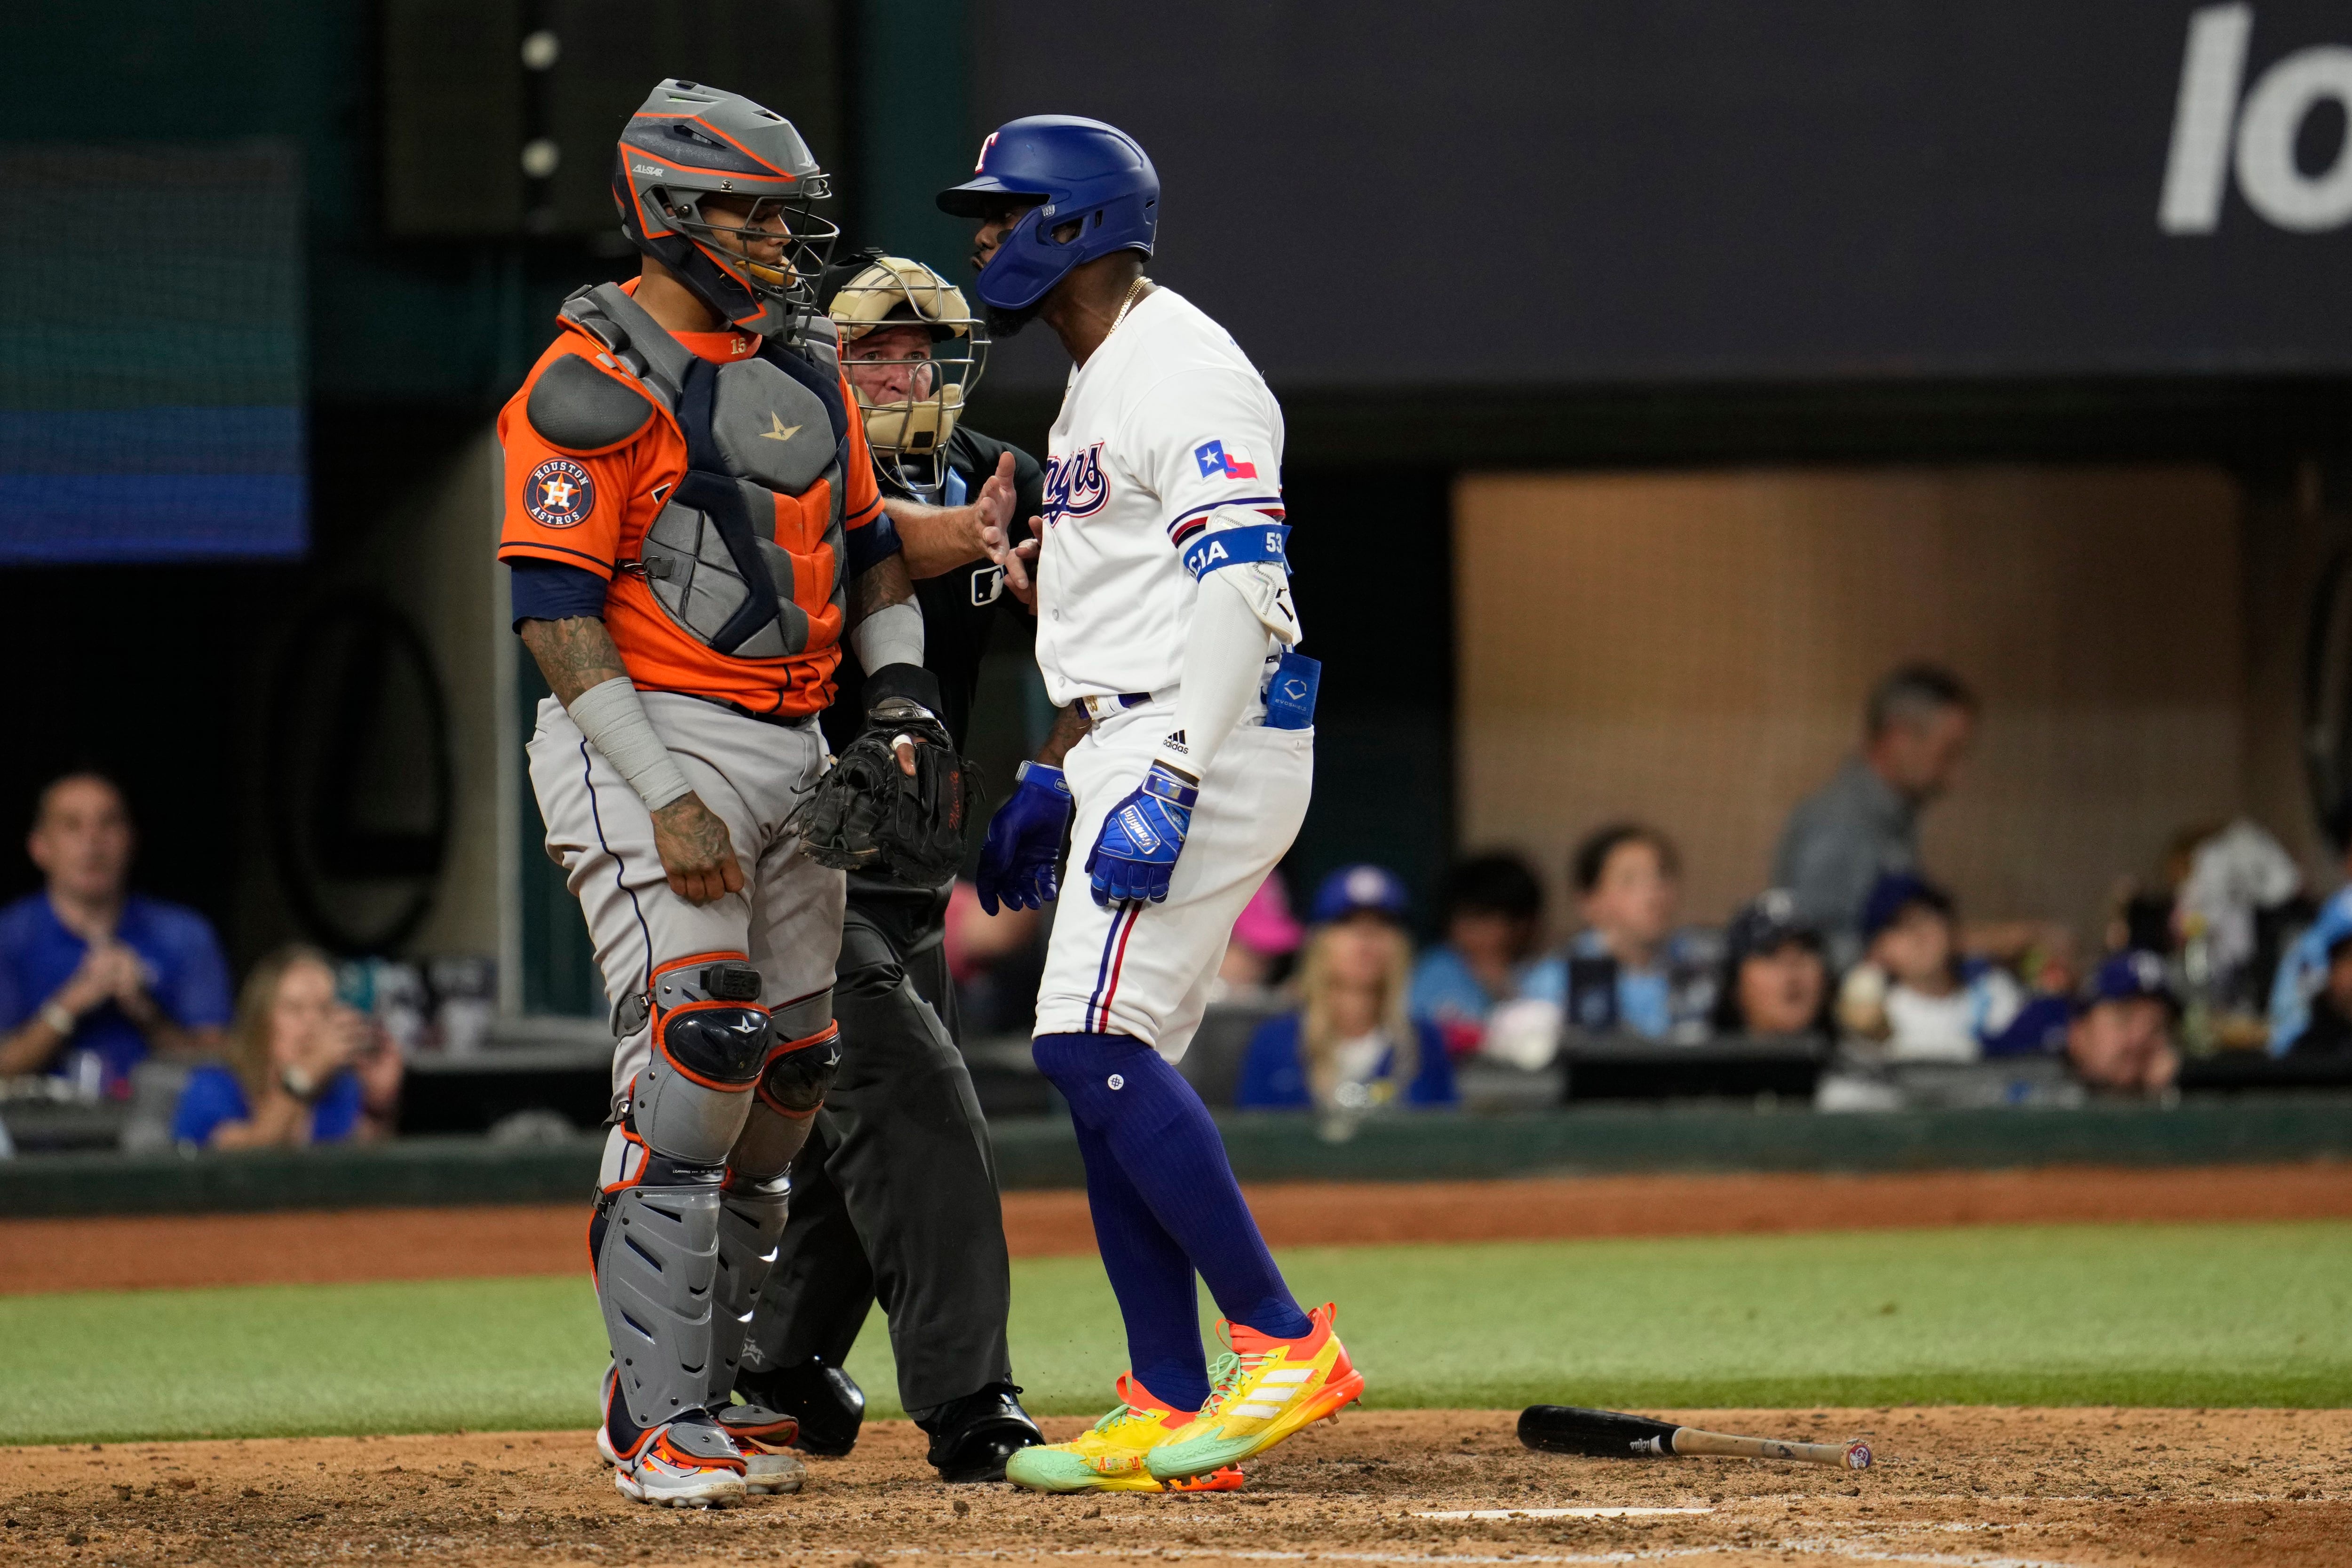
<point x="733" y="538"/>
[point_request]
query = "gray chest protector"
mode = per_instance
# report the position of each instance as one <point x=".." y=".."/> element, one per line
<point x="734" y="538"/>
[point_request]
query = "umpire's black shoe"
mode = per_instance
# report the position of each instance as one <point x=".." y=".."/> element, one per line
<point x="972" y="1436"/>
<point x="827" y="1403"/>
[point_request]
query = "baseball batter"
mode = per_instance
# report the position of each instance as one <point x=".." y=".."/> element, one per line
<point x="693" y="525"/>
<point x="1165" y="620"/>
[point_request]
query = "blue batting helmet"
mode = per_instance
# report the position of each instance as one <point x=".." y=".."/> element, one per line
<point x="1087" y="173"/>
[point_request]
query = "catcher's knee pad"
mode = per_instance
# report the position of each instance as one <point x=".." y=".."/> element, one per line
<point x="710" y="1040"/>
<point x="798" y="1075"/>
<point x="655" y="1244"/>
<point x="792" y="1087"/>
<point x="751" y="1214"/>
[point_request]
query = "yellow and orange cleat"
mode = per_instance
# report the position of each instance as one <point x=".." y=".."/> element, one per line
<point x="1259" y="1394"/>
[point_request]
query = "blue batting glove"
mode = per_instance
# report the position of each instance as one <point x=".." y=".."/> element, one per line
<point x="1136" y="852"/>
<point x="1025" y="841"/>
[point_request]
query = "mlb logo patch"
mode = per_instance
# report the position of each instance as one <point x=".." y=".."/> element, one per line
<point x="559" y="494"/>
<point x="1217" y="459"/>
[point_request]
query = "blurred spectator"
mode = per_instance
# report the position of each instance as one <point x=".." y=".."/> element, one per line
<point x="1775" y="982"/>
<point x="2329" y="1025"/>
<point x="1493" y="910"/>
<point x="1864" y="823"/>
<point x="1352" y="1046"/>
<point x="996" y="961"/>
<point x="304" y="1067"/>
<point x="2304" y="970"/>
<point x="2233" y="876"/>
<point x="2121" y="1038"/>
<point x="1263" y="937"/>
<point x="1627" y="971"/>
<point x="1915" y="993"/>
<point x="93" y="976"/>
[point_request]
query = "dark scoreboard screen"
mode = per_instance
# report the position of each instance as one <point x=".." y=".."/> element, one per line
<point x="1530" y="193"/>
<point x="151" y="354"/>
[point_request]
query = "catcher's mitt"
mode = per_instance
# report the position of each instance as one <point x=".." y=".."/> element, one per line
<point x="868" y="816"/>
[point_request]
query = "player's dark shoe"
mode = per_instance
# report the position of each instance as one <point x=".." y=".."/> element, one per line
<point x="972" y="1436"/>
<point x="825" y="1400"/>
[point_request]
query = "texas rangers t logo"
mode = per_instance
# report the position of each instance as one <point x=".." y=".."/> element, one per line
<point x="559" y="494"/>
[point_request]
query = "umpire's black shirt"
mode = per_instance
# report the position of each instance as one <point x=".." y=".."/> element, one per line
<point x="960" y="609"/>
<point x="959" y="606"/>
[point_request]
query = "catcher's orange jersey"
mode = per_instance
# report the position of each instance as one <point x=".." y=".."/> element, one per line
<point x="592" y="510"/>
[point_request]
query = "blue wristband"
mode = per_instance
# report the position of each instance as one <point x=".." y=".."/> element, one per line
<point x="1047" y="775"/>
<point x="1169" y="788"/>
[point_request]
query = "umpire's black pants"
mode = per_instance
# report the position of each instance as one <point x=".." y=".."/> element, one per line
<point x="894" y="1197"/>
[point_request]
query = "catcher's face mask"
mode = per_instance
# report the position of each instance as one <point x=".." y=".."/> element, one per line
<point x="913" y="353"/>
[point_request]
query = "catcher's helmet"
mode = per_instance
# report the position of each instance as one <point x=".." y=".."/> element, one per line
<point x="909" y="433"/>
<point x="690" y="142"/>
<point x="1088" y="172"/>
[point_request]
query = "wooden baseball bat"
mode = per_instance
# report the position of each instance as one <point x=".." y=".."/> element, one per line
<point x="1613" y="1435"/>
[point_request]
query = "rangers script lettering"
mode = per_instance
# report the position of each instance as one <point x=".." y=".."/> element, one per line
<point x="1074" y="486"/>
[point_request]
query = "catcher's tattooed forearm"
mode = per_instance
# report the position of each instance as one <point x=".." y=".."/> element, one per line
<point x="1070" y="725"/>
<point x="878" y="587"/>
<point x="696" y="851"/>
<point x="574" y="654"/>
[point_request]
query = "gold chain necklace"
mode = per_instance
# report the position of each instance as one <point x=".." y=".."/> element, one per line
<point x="1126" y="304"/>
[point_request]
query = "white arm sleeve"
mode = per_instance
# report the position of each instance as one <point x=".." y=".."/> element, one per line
<point x="1224" y="660"/>
<point x="609" y="714"/>
<point x="892" y="635"/>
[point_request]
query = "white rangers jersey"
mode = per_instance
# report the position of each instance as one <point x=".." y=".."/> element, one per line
<point x="1166" y="436"/>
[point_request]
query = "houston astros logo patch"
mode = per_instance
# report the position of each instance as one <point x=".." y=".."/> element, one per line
<point x="559" y="494"/>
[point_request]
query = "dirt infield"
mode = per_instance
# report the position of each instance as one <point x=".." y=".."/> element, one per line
<point x="1989" y="1486"/>
<point x="309" y="1247"/>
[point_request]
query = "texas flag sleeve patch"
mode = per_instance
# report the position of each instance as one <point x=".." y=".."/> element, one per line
<point x="1219" y="460"/>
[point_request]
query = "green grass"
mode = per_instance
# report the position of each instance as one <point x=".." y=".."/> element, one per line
<point x="2256" y="1314"/>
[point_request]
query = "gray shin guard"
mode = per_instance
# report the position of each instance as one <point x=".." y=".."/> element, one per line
<point x="658" y="1259"/>
<point x="654" y="1279"/>
<point x="751" y="1223"/>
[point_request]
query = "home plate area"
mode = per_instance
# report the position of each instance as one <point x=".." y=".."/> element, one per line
<point x="1977" y="1486"/>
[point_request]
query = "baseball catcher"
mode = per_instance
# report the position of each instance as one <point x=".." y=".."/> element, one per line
<point x="694" y="529"/>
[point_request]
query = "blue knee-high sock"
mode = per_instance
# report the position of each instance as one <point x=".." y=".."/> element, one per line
<point x="1152" y="1278"/>
<point x="1159" y="1133"/>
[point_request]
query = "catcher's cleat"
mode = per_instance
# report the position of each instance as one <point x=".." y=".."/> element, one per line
<point x="679" y="1464"/>
<point x="1110" y="1457"/>
<point x="764" y="1437"/>
<point x="760" y="1436"/>
<point x="686" y="1463"/>
<point x="1260" y="1393"/>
